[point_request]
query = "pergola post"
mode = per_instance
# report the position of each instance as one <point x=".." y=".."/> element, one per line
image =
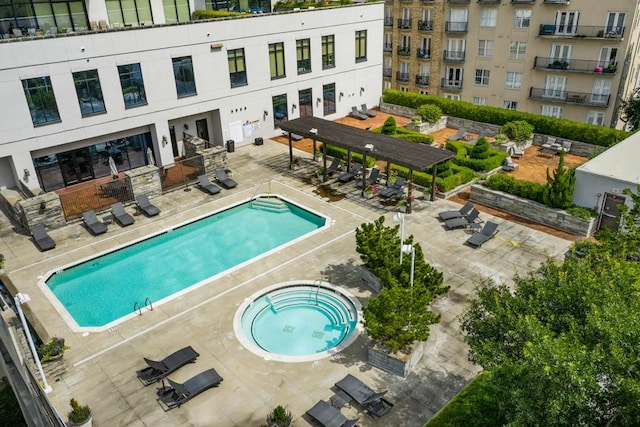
<point x="314" y="149"/>
<point x="388" y="172"/>
<point x="409" y="191"/>
<point x="364" y="173"/>
<point x="324" y="162"/>
<point x="290" y="152"/>
<point x="433" y="182"/>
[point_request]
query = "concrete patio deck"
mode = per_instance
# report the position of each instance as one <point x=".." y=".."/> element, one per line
<point x="101" y="366"/>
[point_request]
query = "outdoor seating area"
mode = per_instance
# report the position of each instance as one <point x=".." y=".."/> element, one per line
<point x="157" y="370"/>
<point x="178" y="394"/>
<point x="487" y="233"/>
<point x="93" y="224"/>
<point x="373" y="402"/>
<point x="207" y="186"/>
<point x="224" y="180"/>
<point x="395" y="191"/>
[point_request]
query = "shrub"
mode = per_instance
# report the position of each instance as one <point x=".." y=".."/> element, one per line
<point x="495" y="159"/>
<point x="53" y="348"/>
<point x="560" y="186"/>
<point x="480" y="150"/>
<point x="458" y="175"/>
<point x="580" y="212"/>
<point x="389" y="126"/>
<point x="79" y="414"/>
<point x="334" y="151"/>
<point x="429" y="113"/>
<point x="279" y="417"/>
<point x="525" y="189"/>
<point x="211" y="14"/>
<point x="518" y="131"/>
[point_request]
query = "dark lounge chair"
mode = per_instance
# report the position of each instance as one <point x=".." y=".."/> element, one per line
<point x="328" y="416"/>
<point x="355" y="170"/>
<point x="463" y="211"/>
<point x="487" y="233"/>
<point x="178" y="394"/>
<point x="206" y="185"/>
<point x="396" y="191"/>
<point x="357" y="114"/>
<point x="120" y="215"/>
<point x="364" y="110"/>
<point x="157" y="370"/>
<point x="146" y="206"/>
<point x="92" y="222"/>
<point x="458" y="136"/>
<point x="372" y="179"/>
<point x="373" y="402"/>
<point x="333" y="167"/>
<point x="462" y="222"/>
<point x="224" y="180"/>
<point x="40" y="237"/>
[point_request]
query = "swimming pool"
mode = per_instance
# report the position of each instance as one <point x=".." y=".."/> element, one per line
<point x="99" y="291"/>
<point x="298" y="321"/>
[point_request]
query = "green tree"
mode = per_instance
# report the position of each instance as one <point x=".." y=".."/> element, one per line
<point x="430" y="113"/>
<point x="630" y="110"/>
<point x="480" y="150"/>
<point x="518" y="130"/>
<point x="389" y="126"/>
<point x="560" y="186"/>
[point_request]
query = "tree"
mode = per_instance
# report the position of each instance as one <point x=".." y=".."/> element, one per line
<point x="430" y="113"/>
<point x="630" y="110"/>
<point x="389" y="126"/>
<point x="518" y="130"/>
<point x="560" y="186"/>
<point x="481" y="149"/>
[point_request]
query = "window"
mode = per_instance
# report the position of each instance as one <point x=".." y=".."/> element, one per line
<point x="554" y="87"/>
<point x="183" y="73"/>
<point x="485" y="48"/>
<point x="303" y="55"/>
<point x="175" y="11"/>
<point x="305" y="102"/>
<point x="328" y="49"/>
<point x="329" y="98"/>
<point x="276" y="60"/>
<point x="595" y="118"/>
<point x="510" y="105"/>
<point x="560" y="52"/>
<point x="69" y="14"/>
<point x="567" y="23"/>
<point x="601" y="91"/>
<point x="132" y="85"/>
<point x="89" y="92"/>
<point x="482" y="77"/>
<point x="615" y="23"/>
<point x="130" y="12"/>
<point x="237" y="69"/>
<point x="514" y="80"/>
<point x="41" y="100"/>
<point x="517" y="50"/>
<point x="280" y="109"/>
<point x="607" y="56"/>
<point x="488" y="17"/>
<point x="478" y="100"/>
<point x="522" y="18"/>
<point x="551" y="111"/>
<point x="451" y="96"/>
<point x="361" y="45"/>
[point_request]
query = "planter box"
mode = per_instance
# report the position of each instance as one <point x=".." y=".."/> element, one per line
<point x="397" y="363"/>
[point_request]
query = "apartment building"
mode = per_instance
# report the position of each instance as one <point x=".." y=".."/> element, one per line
<point x="560" y="58"/>
<point x="83" y="81"/>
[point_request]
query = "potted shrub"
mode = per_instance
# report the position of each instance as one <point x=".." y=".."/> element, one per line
<point x="279" y="417"/>
<point x="429" y="113"/>
<point x="296" y="163"/>
<point x="80" y="416"/>
<point x="611" y="68"/>
<point x="53" y="350"/>
<point x="370" y="190"/>
<point x="518" y="131"/>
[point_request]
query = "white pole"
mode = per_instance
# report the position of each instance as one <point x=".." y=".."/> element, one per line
<point x="400" y="217"/>
<point x="19" y="300"/>
<point x="413" y="258"/>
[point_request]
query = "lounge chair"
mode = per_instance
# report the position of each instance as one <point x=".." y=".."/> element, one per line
<point x="92" y="222"/>
<point x="508" y="164"/>
<point x="458" y="135"/>
<point x="328" y="416"/>
<point x="145" y="205"/>
<point x="372" y="179"/>
<point x="357" y="114"/>
<point x="462" y="222"/>
<point x="155" y="371"/>
<point x="333" y="167"/>
<point x="373" y="402"/>
<point x="482" y="134"/>
<point x="355" y="170"/>
<point x="206" y="185"/>
<point x="396" y="191"/>
<point x="224" y="180"/>
<point x="487" y="233"/>
<point x="40" y="237"/>
<point x="121" y="215"/>
<point x="463" y="211"/>
<point x="364" y="110"/>
<point x="178" y="394"/>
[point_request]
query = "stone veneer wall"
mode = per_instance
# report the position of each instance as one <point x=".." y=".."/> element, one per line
<point x="398" y="364"/>
<point x="144" y="180"/>
<point x="578" y="148"/>
<point x="531" y="210"/>
<point x="42" y="209"/>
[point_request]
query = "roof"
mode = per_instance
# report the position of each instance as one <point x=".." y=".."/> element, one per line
<point x="398" y="151"/>
<point x="618" y="162"/>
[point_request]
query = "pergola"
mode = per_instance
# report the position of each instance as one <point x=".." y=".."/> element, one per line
<point x="413" y="156"/>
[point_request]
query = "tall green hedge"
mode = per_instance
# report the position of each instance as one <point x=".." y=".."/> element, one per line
<point x="334" y="151"/>
<point x="561" y="128"/>
<point x="459" y="175"/>
<point x="495" y="159"/>
<point x="525" y="189"/>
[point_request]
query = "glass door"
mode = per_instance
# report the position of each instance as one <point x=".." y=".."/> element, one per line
<point x="76" y="166"/>
<point x="567" y="23"/>
<point x="305" y="99"/>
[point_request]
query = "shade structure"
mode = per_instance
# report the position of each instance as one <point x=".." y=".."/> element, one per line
<point x="150" y="160"/>
<point x="113" y="167"/>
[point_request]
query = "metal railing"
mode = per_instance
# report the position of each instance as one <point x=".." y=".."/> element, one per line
<point x="581" y="31"/>
<point x="556" y="1"/>
<point x="95" y="196"/>
<point x="458" y="1"/>
<point x="182" y="173"/>
<point x="569" y="97"/>
<point x="388" y="21"/>
<point x="404" y="24"/>
<point x="489" y="1"/>
<point x="422" y="80"/>
<point x="455" y="27"/>
<point x="579" y="65"/>
<point x="387" y="47"/>
<point x="453" y="55"/>
<point x="423" y="53"/>
<point x="386" y="72"/>
<point x="450" y="84"/>
<point x="425" y="25"/>
<point x="402" y="77"/>
<point x="404" y="51"/>
<point x="523" y="1"/>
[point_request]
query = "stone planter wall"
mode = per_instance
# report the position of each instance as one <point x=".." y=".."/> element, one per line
<point x="144" y="180"/>
<point x="428" y="128"/>
<point x="42" y="209"/>
<point x="578" y="148"/>
<point x="533" y="211"/>
<point x="472" y="126"/>
<point x="396" y="363"/>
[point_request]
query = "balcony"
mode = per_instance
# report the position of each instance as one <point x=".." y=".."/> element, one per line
<point x="386" y="73"/>
<point x="402" y="77"/>
<point x="523" y="1"/>
<point x="404" y="24"/>
<point x="581" y="32"/>
<point x="404" y="51"/>
<point x="556" y="1"/>
<point x="388" y="21"/>
<point x="427" y="1"/>
<point x="425" y="25"/>
<point x="423" y="54"/>
<point x="449" y="84"/>
<point x="567" y="97"/>
<point x="422" y="81"/>
<point x="455" y="27"/>
<point x="575" y="65"/>
<point x="453" y="55"/>
<point x="458" y="1"/>
<point x="489" y="1"/>
<point x="387" y="47"/>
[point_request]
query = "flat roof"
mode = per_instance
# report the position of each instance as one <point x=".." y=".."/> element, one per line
<point x="398" y="151"/>
<point x="618" y="162"/>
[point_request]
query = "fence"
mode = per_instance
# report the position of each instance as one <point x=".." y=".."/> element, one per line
<point x="182" y="173"/>
<point x="94" y="196"/>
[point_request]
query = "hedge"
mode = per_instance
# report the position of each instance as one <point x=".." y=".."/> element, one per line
<point x="496" y="157"/>
<point x="409" y="135"/>
<point x="334" y="151"/>
<point x="525" y="189"/>
<point x="460" y="175"/>
<point x="210" y="14"/>
<point x="561" y="128"/>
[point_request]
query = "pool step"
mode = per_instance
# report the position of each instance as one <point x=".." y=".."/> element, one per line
<point x="271" y="204"/>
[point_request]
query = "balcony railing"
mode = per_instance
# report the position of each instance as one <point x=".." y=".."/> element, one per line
<point x="450" y="84"/>
<point x="427" y="1"/>
<point x="568" y="97"/>
<point x="453" y="55"/>
<point x="387" y="47"/>
<point x="422" y="80"/>
<point x="455" y="27"/>
<point x="556" y="1"/>
<point x="404" y="51"/>
<point x="489" y="1"/>
<point x="423" y="54"/>
<point x="425" y="25"/>
<point x="581" y="31"/>
<point x="523" y="1"/>
<point x="458" y="1"/>
<point x="388" y="21"/>
<point x="575" y="65"/>
<point x="402" y="77"/>
<point x="404" y="24"/>
<point x="386" y="72"/>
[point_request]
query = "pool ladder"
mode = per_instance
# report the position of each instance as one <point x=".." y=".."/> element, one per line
<point x="147" y="303"/>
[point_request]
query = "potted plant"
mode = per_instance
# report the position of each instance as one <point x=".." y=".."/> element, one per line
<point x="370" y="190"/>
<point x="296" y="163"/>
<point x="611" y="68"/>
<point x="53" y="350"/>
<point x="279" y="417"/>
<point x="80" y="416"/>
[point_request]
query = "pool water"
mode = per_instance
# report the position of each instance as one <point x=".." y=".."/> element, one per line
<point x="106" y="288"/>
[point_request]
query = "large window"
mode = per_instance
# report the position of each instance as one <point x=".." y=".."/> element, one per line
<point x="89" y="92"/>
<point x="522" y="18"/>
<point x="488" y="17"/>
<point x="482" y="77"/>
<point x="176" y="11"/>
<point x="328" y="49"/>
<point x="305" y="102"/>
<point x="485" y="48"/>
<point x="303" y="55"/>
<point x="41" y="100"/>
<point x="329" y="98"/>
<point x="510" y="105"/>
<point x="254" y="6"/>
<point x="517" y="50"/>
<point x="183" y="73"/>
<point x="478" y="100"/>
<point x="132" y="85"/>
<point x="276" y="61"/>
<point x="551" y="111"/>
<point x="65" y="16"/>
<point x="361" y="46"/>
<point x="280" y="111"/>
<point x="237" y="69"/>
<point x="513" y="81"/>
<point x="129" y="12"/>
<point x="595" y="118"/>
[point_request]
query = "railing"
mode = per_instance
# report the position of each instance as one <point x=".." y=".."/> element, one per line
<point x="387" y="47"/>
<point x="575" y="65"/>
<point x="581" y="31"/>
<point x="404" y="24"/>
<point x="556" y="1"/>
<point x="427" y="1"/>
<point x="388" y="21"/>
<point x="182" y="173"/>
<point x="523" y="1"/>
<point x="97" y="197"/>
<point x="489" y="1"/>
<point x="423" y="53"/>
<point x="569" y="97"/>
<point x="450" y="84"/>
<point x="425" y="25"/>
<point x="386" y="72"/>
<point x="453" y="55"/>
<point x="402" y="77"/>
<point x="422" y="80"/>
<point x="404" y="51"/>
<point x="455" y="27"/>
<point x="458" y="1"/>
